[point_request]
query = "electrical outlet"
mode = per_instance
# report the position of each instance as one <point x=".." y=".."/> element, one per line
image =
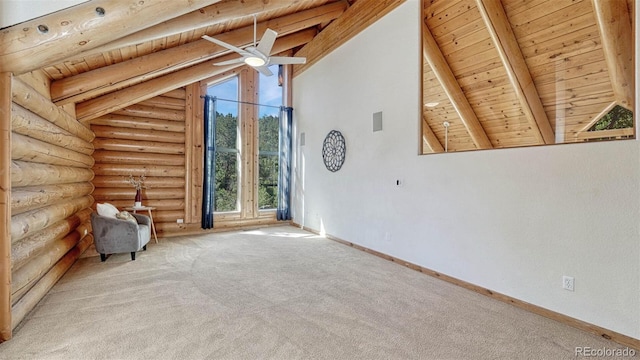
<point x="567" y="283"/>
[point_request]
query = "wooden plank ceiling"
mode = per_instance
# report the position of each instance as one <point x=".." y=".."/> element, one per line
<point x="225" y="16"/>
<point x="152" y="51"/>
<point x="518" y="73"/>
<point x="500" y="73"/>
<point x="172" y="54"/>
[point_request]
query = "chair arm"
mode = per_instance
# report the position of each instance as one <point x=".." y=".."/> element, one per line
<point x="142" y="219"/>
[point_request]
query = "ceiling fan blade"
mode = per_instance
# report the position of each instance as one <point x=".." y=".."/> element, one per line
<point x="287" y="60"/>
<point x="230" y="62"/>
<point x="266" y="43"/>
<point x="264" y="70"/>
<point x="225" y="45"/>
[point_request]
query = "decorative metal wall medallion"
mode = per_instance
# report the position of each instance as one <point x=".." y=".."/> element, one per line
<point x="334" y="150"/>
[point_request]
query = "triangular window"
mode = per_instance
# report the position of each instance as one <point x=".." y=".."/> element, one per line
<point x="616" y="119"/>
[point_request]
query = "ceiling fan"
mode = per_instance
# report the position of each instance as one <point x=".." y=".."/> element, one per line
<point x="257" y="55"/>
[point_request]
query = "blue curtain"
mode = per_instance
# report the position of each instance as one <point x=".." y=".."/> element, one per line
<point x="284" y="169"/>
<point x="208" y="184"/>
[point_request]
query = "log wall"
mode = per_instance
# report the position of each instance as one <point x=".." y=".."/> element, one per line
<point x="147" y="139"/>
<point x="5" y="207"/>
<point x="58" y="168"/>
<point x="161" y="138"/>
<point x="51" y="161"/>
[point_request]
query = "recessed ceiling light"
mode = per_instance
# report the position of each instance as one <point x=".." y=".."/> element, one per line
<point x="432" y="104"/>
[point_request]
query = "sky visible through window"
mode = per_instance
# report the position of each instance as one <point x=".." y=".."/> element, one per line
<point x="226" y="90"/>
<point x="268" y="95"/>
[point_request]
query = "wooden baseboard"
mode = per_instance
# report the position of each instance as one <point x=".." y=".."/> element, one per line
<point x="579" y="324"/>
<point x="195" y="229"/>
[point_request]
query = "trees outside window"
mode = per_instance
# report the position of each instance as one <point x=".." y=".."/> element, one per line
<point x="617" y="118"/>
<point x="241" y="124"/>
<point x="268" y="162"/>
<point x="227" y="151"/>
<point x="270" y="93"/>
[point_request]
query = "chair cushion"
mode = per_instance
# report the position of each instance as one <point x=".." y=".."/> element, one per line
<point x="107" y="210"/>
<point x="125" y="215"/>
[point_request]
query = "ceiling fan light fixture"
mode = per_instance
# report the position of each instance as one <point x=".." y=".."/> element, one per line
<point x="254" y="61"/>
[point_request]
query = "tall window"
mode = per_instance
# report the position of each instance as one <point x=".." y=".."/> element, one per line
<point x="227" y="151"/>
<point x="270" y="94"/>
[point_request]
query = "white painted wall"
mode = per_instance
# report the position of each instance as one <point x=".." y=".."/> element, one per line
<point x="16" y="11"/>
<point x="513" y="220"/>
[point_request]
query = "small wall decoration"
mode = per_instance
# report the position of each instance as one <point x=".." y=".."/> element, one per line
<point x="334" y="150"/>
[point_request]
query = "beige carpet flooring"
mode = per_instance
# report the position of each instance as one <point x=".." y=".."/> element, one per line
<point x="275" y="293"/>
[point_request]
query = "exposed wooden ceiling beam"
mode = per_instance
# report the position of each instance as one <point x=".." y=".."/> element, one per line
<point x="357" y="18"/>
<point x="505" y="42"/>
<point x="441" y="69"/>
<point x="46" y="40"/>
<point x="108" y="103"/>
<point x="598" y="117"/>
<point x="430" y="138"/>
<point x="617" y="41"/>
<point x="92" y="84"/>
<point x="606" y="134"/>
<point x="214" y="14"/>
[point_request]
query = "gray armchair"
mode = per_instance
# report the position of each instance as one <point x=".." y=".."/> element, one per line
<point x="113" y="236"/>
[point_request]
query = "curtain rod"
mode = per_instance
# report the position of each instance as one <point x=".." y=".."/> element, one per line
<point x="240" y="102"/>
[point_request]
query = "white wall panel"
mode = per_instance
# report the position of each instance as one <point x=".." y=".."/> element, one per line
<point x="513" y="220"/>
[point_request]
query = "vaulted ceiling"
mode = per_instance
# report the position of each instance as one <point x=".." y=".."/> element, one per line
<point x="498" y="73"/>
<point x="505" y="73"/>
<point x="105" y="55"/>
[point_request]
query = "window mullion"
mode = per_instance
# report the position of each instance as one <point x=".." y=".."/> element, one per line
<point x="248" y="150"/>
